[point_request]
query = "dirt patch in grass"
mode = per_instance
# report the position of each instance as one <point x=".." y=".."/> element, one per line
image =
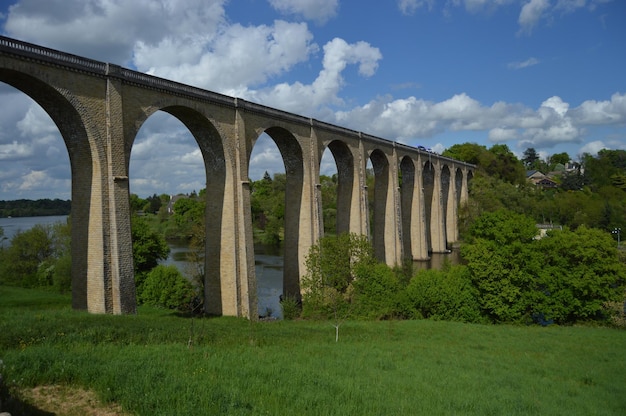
<point x="69" y="401"/>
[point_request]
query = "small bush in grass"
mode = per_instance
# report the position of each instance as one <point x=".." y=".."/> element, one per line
<point x="291" y="307"/>
<point x="166" y="287"/>
<point x="376" y="291"/>
<point x="445" y="295"/>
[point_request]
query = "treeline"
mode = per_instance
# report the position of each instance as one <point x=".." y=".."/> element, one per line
<point x="592" y="192"/>
<point x="509" y="276"/>
<point x="34" y="208"/>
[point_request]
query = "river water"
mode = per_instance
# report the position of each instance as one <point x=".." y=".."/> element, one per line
<point x="12" y="225"/>
<point x="268" y="264"/>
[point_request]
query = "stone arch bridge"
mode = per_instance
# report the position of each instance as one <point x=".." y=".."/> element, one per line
<point x="99" y="108"/>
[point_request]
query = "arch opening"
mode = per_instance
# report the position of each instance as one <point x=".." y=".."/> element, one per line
<point x="428" y="183"/>
<point x="380" y="168"/>
<point x="291" y="184"/>
<point x="407" y="201"/>
<point x="177" y="157"/>
<point x="340" y="190"/>
<point x="48" y="114"/>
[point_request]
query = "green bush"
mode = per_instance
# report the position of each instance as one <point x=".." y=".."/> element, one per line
<point x="331" y="268"/>
<point x="444" y="295"/>
<point x="291" y="307"/>
<point x="166" y="287"/>
<point x="376" y="291"/>
<point x="62" y="274"/>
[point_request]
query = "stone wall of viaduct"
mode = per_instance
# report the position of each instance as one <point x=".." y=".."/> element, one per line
<point x="99" y="109"/>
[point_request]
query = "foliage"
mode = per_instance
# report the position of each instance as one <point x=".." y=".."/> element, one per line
<point x="148" y="246"/>
<point x="566" y="277"/>
<point x="34" y="208"/>
<point x="38" y="257"/>
<point x="376" y="292"/>
<point x="291" y="307"/>
<point x="166" y="287"/>
<point x="188" y="215"/>
<point x="580" y="272"/>
<point x="443" y="295"/>
<point x="498" y="161"/>
<point x="531" y="157"/>
<point x="268" y="208"/>
<point x="331" y="268"/>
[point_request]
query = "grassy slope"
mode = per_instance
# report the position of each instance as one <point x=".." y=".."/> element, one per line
<point x="159" y="363"/>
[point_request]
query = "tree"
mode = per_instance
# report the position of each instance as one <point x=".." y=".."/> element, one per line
<point x="446" y="294"/>
<point x="466" y="152"/>
<point x="166" y="287"/>
<point x="331" y="267"/>
<point x="137" y="204"/>
<point x="497" y="255"/>
<point x="565" y="277"/>
<point x="38" y="257"/>
<point x="505" y="165"/>
<point x="148" y="248"/>
<point x="268" y="209"/>
<point x="559" y="159"/>
<point x="530" y="158"/>
<point x="579" y="274"/>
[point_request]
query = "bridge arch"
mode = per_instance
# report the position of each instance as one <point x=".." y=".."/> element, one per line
<point x="292" y="155"/>
<point x="428" y="185"/>
<point x="412" y="208"/>
<point x="85" y="155"/>
<point x="217" y="171"/>
<point x="448" y="206"/>
<point x="344" y="160"/>
<point x="381" y="168"/>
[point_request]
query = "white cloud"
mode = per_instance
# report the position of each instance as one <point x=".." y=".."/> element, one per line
<point x="239" y="58"/>
<point x="408" y="7"/>
<point x="475" y="6"/>
<point x="15" y="151"/>
<point x="36" y="123"/>
<point x="601" y="112"/>
<point x="523" y="64"/>
<point x="319" y="11"/>
<point x="499" y="135"/>
<point x="109" y="29"/>
<point x="530" y="15"/>
<point x="308" y="98"/>
<point x="39" y="181"/>
<point x="592" y="147"/>
<point x="553" y="123"/>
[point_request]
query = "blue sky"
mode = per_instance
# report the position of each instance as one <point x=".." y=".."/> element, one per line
<point x="547" y="74"/>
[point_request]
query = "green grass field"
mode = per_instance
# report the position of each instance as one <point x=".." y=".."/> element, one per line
<point x="160" y="363"/>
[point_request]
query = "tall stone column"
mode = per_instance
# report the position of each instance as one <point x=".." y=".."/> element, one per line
<point x="437" y="225"/>
<point x="393" y="227"/>
<point x="120" y="293"/>
<point x="360" y="224"/>
<point x="416" y="228"/>
<point x="310" y="223"/>
<point x="464" y="187"/>
<point x="232" y="287"/>
<point x="452" y="229"/>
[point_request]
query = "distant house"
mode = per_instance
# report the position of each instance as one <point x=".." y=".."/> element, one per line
<point x="539" y="179"/>
<point x="544" y="228"/>
<point x="173" y="199"/>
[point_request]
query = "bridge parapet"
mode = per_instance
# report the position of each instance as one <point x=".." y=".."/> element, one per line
<point x="52" y="56"/>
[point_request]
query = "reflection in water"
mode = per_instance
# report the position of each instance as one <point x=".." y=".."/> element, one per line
<point x="269" y="274"/>
<point x="438" y="260"/>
